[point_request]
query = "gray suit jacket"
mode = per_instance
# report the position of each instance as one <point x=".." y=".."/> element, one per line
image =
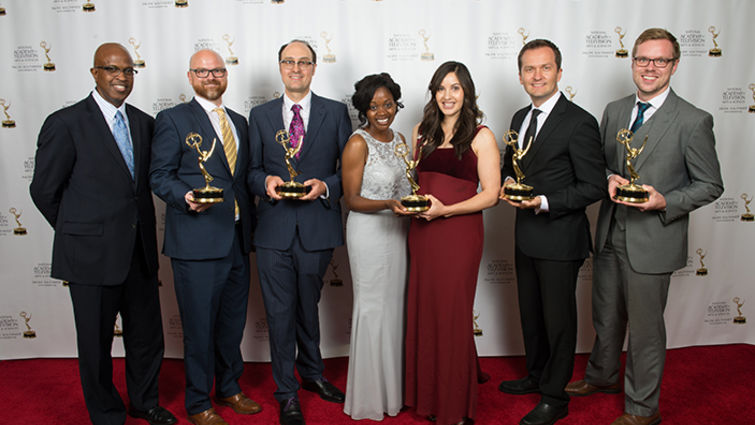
<point x="680" y="161"/>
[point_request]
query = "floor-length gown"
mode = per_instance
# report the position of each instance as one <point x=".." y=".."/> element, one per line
<point x="377" y="249"/>
<point x="445" y="254"/>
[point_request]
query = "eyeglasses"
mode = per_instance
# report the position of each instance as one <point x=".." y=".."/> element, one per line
<point x="204" y="73"/>
<point x="289" y="63"/>
<point x="658" y="62"/>
<point x="114" y="71"/>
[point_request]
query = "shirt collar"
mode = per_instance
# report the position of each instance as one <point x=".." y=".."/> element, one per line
<point x="657" y="101"/>
<point x="549" y="104"/>
<point x="304" y="103"/>
<point x="206" y="104"/>
<point x="107" y="108"/>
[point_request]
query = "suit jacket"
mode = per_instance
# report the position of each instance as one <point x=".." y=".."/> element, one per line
<point x="83" y="188"/>
<point x="565" y="163"/>
<point x="318" y="221"/>
<point x="175" y="171"/>
<point x="680" y="161"/>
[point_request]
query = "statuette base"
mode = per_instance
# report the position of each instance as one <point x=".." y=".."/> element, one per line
<point x="632" y="193"/>
<point x="518" y="192"/>
<point x="293" y="190"/>
<point x="416" y="203"/>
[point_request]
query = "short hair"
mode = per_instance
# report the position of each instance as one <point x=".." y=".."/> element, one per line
<point x="365" y="89"/>
<point x="658" y="34"/>
<point x="536" y="44"/>
<point x="296" y="40"/>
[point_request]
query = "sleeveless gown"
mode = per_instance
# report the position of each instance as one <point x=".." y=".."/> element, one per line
<point x="378" y="259"/>
<point x="445" y="254"/>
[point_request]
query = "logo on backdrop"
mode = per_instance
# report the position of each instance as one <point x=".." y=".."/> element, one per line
<point x="230" y="59"/>
<point x="739" y="318"/>
<point x="182" y="3"/>
<point x="20" y="229"/>
<point x="328" y="57"/>
<point x="702" y="270"/>
<point x="277" y="1"/>
<point x="752" y="88"/>
<point x="49" y="66"/>
<point x="523" y="32"/>
<point x="401" y="47"/>
<point x="571" y="92"/>
<point x="715" y="51"/>
<point x="426" y="55"/>
<point x="88" y="7"/>
<point x="2" y="11"/>
<point x="29" y="332"/>
<point x="7" y="122"/>
<point x="139" y="62"/>
<point x="182" y="98"/>
<point x="335" y="280"/>
<point x="477" y="330"/>
<point x="621" y="52"/>
<point x="747" y="216"/>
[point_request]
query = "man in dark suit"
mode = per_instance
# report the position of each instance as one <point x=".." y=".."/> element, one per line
<point x="565" y="166"/>
<point x="639" y="245"/>
<point x="295" y="237"/>
<point x="208" y="244"/>
<point x="91" y="184"/>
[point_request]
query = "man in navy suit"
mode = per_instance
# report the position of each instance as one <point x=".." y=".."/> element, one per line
<point x="565" y="166"/>
<point x="208" y="244"/>
<point x="91" y="184"/>
<point x="295" y="237"/>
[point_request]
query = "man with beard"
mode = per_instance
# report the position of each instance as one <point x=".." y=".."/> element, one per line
<point x="208" y="244"/>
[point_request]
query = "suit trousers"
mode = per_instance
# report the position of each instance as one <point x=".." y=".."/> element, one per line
<point x="212" y="299"/>
<point x="622" y="296"/>
<point x="291" y="281"/>
<point x="548" y="310"/>
<point x="95" y="308"/>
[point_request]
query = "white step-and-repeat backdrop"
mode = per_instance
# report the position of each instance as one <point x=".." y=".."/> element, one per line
<point x="46" y="49"/>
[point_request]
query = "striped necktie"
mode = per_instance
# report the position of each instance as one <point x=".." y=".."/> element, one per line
<point x="229" y="147"/>
<point x="641" y="108"/>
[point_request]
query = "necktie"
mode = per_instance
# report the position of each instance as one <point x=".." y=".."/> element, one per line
<point x="229" y="147"/>
<point x="531" y="129"/>
<point x="641" y="108"/>
<point x="120" y="132"/>
<point x="296" y="129"/>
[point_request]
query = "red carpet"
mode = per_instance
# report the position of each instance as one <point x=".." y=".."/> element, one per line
<point x="702" y="385"/>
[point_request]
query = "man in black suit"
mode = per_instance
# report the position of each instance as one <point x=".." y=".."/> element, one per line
<point x="91" y="184"/>
<point x="565" y="166"/>
<point x="295" y="237"/>
<point x="208" y="244"/>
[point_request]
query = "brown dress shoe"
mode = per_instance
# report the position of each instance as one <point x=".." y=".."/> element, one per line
<point x="627" y="419"/>
<point x="208" y="417"/>
<point x="240" y="404"/>
<point x="582" y="388"/>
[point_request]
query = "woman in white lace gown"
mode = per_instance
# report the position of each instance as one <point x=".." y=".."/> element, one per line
<point x="373" y="182"/>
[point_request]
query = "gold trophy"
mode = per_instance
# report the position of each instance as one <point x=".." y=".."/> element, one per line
<point x="181" y="3"/>
<point x="290" y="189"/>
<point x="622" y="51"/>
<point x="477" y="330"/>
<point x="20" y="230"/>
<point x="139" y="62"/>
<point x="715" y="51"/>
<point x="702" y="271"/>
<point x="231" y="60"/>
<point x="29" y="332"/>
<point x="752" y="107"/>
<point x="748" y="215"/>
<point x="335" y="281"/>
<point x="518" y="191"/>
<point x="329" y="57"/>
<point x="7" y="122"/>
<point x="2" y="11"/>
<point x="426" y="55"/>
<point x="571" y="92"/>
<point x="739" y="319"/>
<point x="631" y="192"/>
<point x="49" y="66"/>
<point x="277" y="1"/>
<point x="523" y="32"/>
<point x="88" y="7"/>
<point x="208" y="194"/>
<point x="413" y="202"/>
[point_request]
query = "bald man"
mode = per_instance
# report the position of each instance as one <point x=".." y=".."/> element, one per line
<point x="91" y="184"/>
<point x="208" y="244"/>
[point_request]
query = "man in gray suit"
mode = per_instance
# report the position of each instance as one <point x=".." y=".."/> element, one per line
<point x="639" y="245"/>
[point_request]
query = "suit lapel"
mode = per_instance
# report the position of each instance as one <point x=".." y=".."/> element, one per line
<point x="206" y="128"/>
<point x="136" y="140"/>
<point x="655" y="128"/>
<point x="316" y="118"/>
<point x="241" y="155"/>
<point x="108" y="140"/>
<point x="551" y="122"/>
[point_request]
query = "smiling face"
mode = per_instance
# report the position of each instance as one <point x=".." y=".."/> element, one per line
<point x="210" y="87"/>
<point x="539" y="74"/>
<point x="113" y="88"/>
<point x="297" y="78"/>
<point x="450" y="95"/>
<point x="652" y="80"/>
<point x="382" y="110"/>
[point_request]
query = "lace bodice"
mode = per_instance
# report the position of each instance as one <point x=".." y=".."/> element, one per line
<point x="384" y="176"/>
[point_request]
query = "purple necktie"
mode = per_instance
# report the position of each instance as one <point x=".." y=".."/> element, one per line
<point x="296" y="129"/>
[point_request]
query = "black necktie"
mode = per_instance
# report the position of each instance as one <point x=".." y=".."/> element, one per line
<point x="641" y="108"/>
<point x="531" y="129"/>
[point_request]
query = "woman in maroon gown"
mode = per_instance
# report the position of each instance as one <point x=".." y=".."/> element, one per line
<point x="445" y="248"/>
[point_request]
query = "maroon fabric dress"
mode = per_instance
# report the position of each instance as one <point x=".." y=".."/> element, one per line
<point x="445" y="254"/>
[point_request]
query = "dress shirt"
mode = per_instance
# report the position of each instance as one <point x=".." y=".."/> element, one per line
<point x="655" y="104"/>
<point x="215" y="120"/>
<point x="109" y="110"/>
<point x="288" y="114"/>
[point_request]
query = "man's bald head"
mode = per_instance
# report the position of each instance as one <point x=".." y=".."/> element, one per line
<point x="108" y="49"/>
<point x="207" y="75"/>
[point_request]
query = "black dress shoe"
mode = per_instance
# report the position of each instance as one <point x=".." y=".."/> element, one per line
<point x="325" y="389"/>
<point x="545" y="414"/>
<point x="155" y="416"/>
<point x="291" y="412"/>
<point x="525" y="385"/>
